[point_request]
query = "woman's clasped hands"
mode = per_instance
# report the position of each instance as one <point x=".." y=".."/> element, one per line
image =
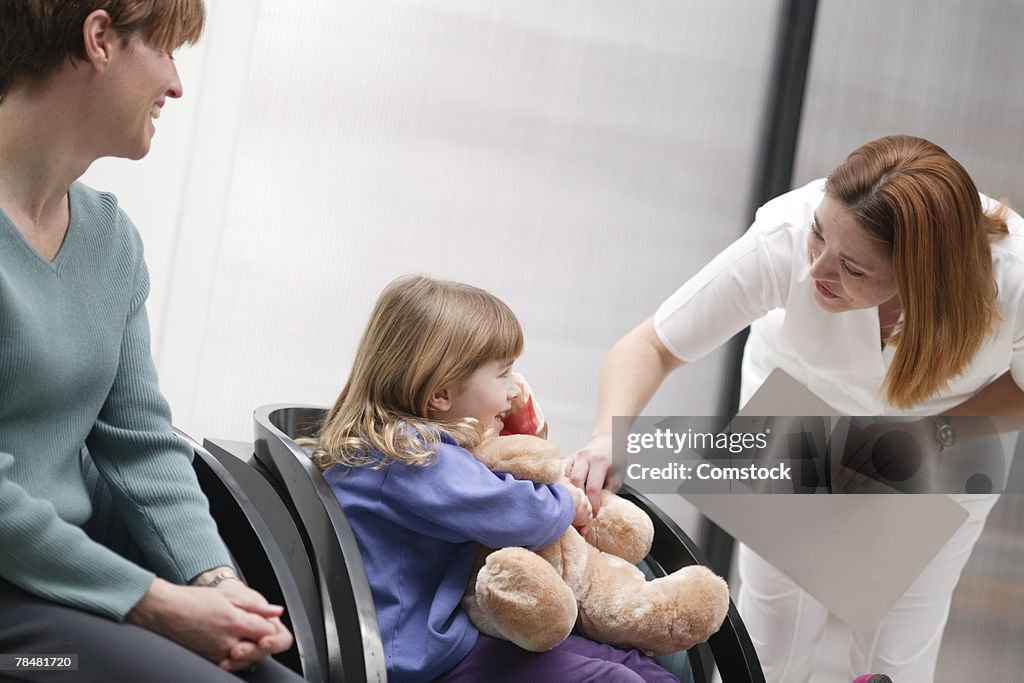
<point x="231" y="624"/>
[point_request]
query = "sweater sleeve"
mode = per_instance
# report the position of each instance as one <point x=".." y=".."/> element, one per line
<point x="457" y="499"/>
<point x="147" y="467"/>
<point x="56" y="560"/>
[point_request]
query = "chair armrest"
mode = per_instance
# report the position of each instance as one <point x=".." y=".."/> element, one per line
<point x="731" y="648"/>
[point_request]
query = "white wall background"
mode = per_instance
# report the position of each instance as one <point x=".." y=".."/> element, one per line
<point x="578" y="159"/>
<point x="178" y="194"/>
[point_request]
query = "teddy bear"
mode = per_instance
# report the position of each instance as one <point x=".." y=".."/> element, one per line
<point x="535" y="599"/>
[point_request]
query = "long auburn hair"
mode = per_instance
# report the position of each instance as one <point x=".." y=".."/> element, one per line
<point x="913" y="197"/>
<point x="423" y="334"/>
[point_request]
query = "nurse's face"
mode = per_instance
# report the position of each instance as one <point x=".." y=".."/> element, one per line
<point x="850" y="269"/>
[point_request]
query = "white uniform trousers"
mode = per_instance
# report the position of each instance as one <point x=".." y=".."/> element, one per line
<point x="786" y="623"/>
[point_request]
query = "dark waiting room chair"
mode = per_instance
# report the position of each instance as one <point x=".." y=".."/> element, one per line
<point x="349" y="603"/>
<point x="261" y="536"/>
<point x="355" y="651"/>
<point x="269" y="551"/>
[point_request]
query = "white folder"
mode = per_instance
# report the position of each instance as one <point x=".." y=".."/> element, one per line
<point x="856" y="554"/>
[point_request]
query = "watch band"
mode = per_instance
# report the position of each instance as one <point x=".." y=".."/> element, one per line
<point x="221" y="577"/>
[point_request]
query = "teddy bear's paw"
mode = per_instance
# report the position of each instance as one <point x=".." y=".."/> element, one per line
<point x="666" y="615"/>
<point x="690" y="604"/>
<point x="621" y="528"/>
<point x="525" y="600"/>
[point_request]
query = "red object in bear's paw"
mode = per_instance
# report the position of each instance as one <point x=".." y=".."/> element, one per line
<point x="523" y="421"/>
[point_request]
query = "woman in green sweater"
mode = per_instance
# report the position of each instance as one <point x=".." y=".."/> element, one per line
<point x="79" y="80"/>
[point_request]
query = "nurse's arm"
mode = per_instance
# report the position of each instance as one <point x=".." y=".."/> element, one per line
<point x="634" y="369"/>
<point x="1002" y="400"/>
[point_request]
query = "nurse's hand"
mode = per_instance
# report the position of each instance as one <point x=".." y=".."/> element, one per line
<point x="901" y="455"/>
<point x="592" y="469"/>
<point x="584" y="512"/>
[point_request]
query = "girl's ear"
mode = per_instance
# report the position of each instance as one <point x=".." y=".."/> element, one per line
<point x="440" y="400"/>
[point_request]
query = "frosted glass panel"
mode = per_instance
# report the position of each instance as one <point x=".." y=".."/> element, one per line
<point x="950" y="72"/>
<point x="579" y="159"/>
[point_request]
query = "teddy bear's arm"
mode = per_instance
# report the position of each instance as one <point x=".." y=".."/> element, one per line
<point x="522" y="456"/>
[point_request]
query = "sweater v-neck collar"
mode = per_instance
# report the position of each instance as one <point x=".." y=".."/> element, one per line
<point x="74" y="209"/>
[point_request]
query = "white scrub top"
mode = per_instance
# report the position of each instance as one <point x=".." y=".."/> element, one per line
<point x="763" y="280"/>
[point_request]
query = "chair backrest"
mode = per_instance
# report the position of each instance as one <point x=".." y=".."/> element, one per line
<point x="267" y="549"/>
<point x="244" y="510"/>
<point x="355" y="651"/>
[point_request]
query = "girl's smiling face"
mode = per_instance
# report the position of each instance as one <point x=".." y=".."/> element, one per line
<point x="486" y="395"/>
<point x="850" y="269"/>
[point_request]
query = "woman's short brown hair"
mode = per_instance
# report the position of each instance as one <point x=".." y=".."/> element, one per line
<point x="40" y="35"/>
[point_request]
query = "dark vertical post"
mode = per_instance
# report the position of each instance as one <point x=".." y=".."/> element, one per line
<point x="780" y="128"/>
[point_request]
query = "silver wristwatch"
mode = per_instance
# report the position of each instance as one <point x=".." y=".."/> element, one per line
<point x="944" y="432"/>
<point x="222" y="576"/>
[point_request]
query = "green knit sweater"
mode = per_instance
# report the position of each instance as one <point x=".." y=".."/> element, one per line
<point x="75" y="368"/>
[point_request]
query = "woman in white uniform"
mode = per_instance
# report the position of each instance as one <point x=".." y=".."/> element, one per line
<point x="890" y="288"/>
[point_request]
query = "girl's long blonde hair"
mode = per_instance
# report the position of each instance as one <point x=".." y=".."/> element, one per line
<point x="423" y="334"/>
<point x="910" y="195"/>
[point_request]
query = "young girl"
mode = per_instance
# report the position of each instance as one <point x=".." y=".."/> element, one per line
<point x="431" y="375"/>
